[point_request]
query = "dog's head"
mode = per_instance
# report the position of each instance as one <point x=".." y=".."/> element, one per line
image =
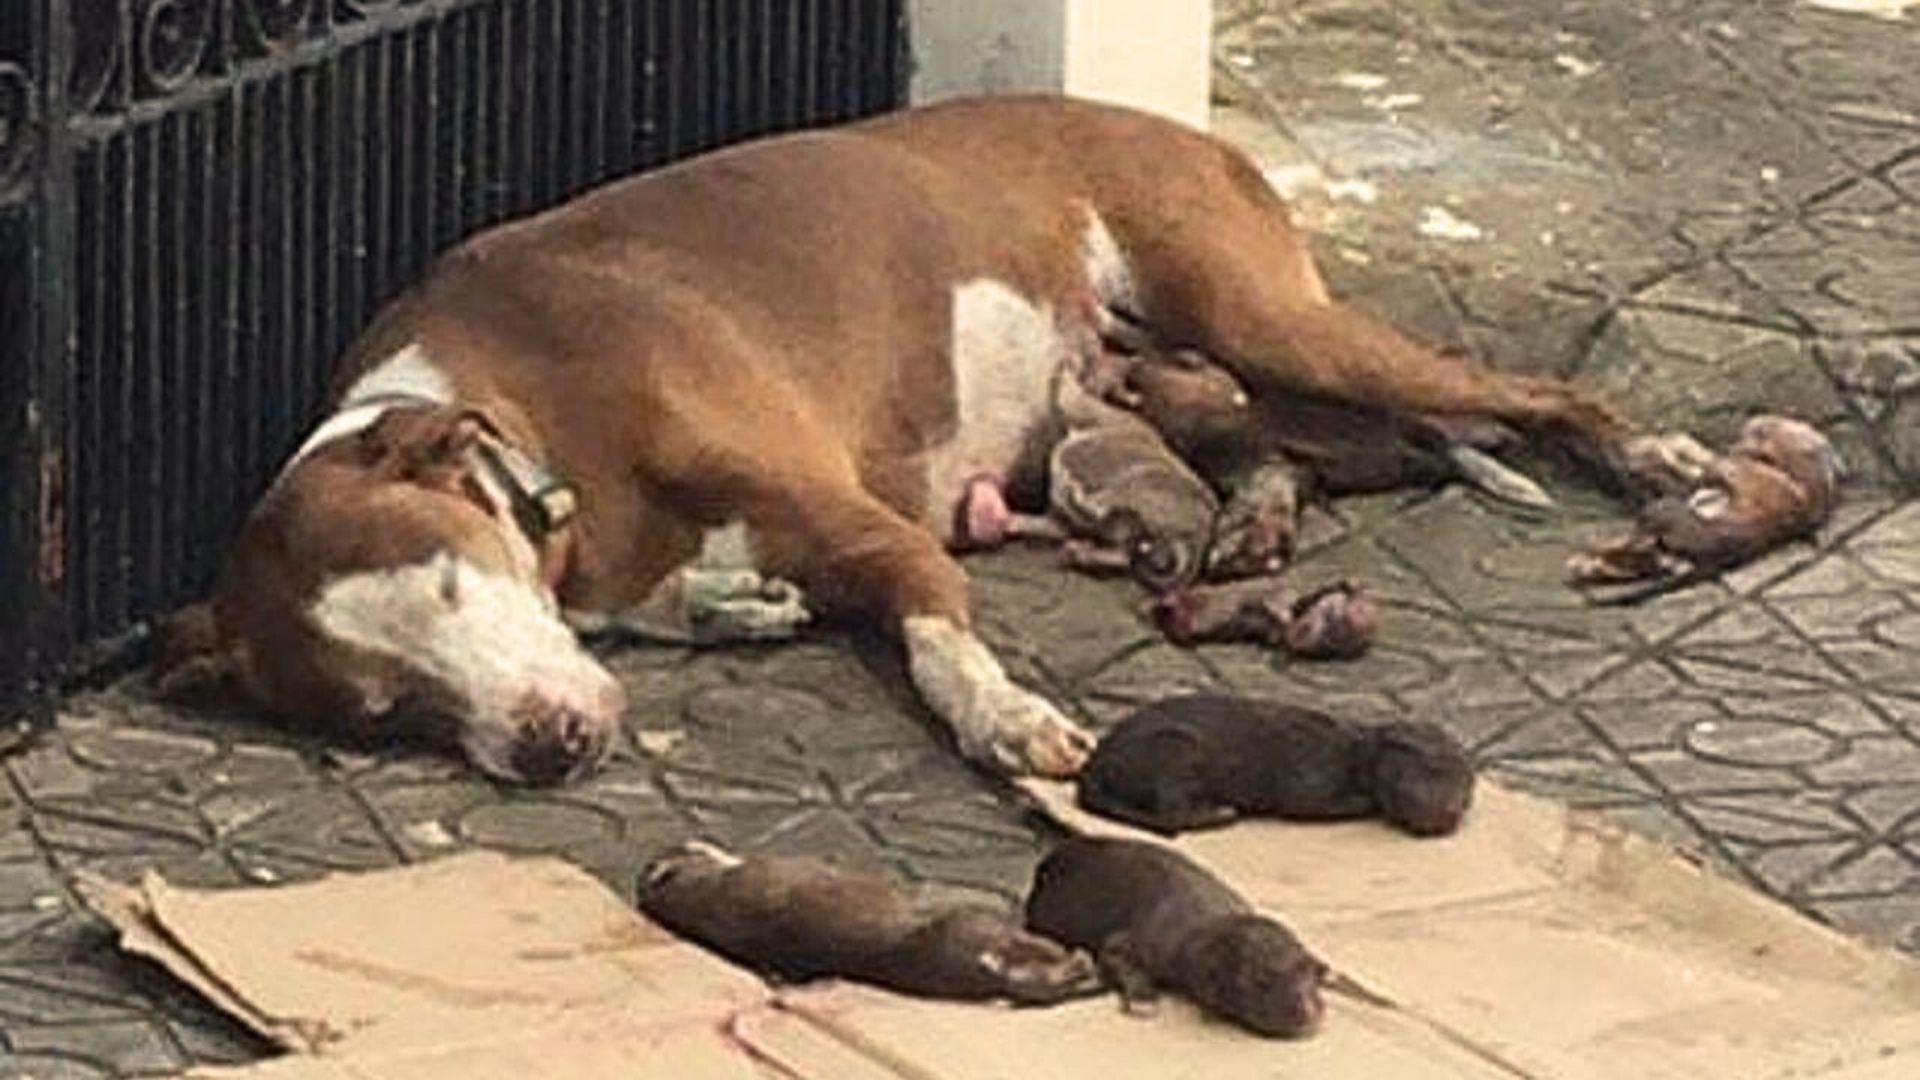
<point x="394" y="574"/>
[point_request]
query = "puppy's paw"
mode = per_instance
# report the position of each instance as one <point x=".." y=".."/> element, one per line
<point x="1667" y="464"/>
<point x="1038" y="972"/>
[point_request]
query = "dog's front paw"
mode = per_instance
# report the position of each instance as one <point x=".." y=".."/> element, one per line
<point x="740" y="605"/>
<point x="1020" y="733"/>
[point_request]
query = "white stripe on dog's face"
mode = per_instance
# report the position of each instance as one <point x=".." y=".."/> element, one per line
<point x="491" y="648"/>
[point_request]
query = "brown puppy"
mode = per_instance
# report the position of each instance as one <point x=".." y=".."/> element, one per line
<point x="1113" y="483"/>
<point x="1161" y="921"/>
<point x="1204" y="760"/>
<point x="803" y="918"/>
<point x="1334" y="622"/>
<point x="1209" y="419"/>
<point x="1778" y="483"/>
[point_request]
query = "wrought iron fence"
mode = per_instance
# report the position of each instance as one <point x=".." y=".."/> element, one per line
<point x="202" y="200"/>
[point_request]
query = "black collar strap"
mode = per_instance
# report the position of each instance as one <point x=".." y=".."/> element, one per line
<point x="542" y="503"/>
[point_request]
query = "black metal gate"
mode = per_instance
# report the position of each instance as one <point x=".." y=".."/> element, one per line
<point x="202" y="200"/>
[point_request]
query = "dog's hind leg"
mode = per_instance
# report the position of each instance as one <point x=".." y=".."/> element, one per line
<point x="1226" y="272"/>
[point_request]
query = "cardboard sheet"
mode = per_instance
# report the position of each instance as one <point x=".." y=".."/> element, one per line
<point x="1536" y="943"/>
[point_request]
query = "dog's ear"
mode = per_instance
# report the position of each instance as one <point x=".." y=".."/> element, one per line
<point x="425" y="447"/>
<point x="189" y="658"/>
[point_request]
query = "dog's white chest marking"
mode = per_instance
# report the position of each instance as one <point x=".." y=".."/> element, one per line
<point x="1006" y="352"/>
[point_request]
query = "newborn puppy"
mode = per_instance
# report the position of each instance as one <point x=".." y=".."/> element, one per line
<point x="1204" y="760"/>
<point x="1779" y="482"/>
<point x="1334" y="622"/>
<point x="1120" y="487"/>
<point x="1208" y="418"/>
<point x="802" y="918"/>
<point x="1113" y="484"/>
<point x="1160" y="921"/>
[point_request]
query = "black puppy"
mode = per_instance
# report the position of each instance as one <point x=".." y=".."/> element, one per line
<point x="1201" y="761"/>
<point x="802" y="918"/>
<point x="1158" y="921"/>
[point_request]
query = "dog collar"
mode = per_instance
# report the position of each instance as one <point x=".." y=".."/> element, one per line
<point x="542" y="503"/>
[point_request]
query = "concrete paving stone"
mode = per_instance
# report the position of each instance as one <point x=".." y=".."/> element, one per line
<point x="1894" y="564"/>
<point x="1581" y="780"/>
<point x="826" y="833"/>
<point x="27" y="884"/>
<point x="536" y="823"/>
<point x="1786" y="869"/>
<point x="1650" y="724"/>
<point x="1889" y="809"/>
<point x="1520" y="731"/>
<point x="1684" y="773"/>
<point x="1790" y="817"/>
<point x="1779" y="660"/>
<point x="1882" y="665"/>
<point x="1483" y="682"/>
<point x="122" y="1047"/>
<point x="1891" y="919"/>
<point x="1262" y="673"/>
<point x="1761" y="669"/>
<point x="1148" y="674"/>
<point x="1840" y="714"/>
<point x="1870" y="759"/>
<point x="1560" y="676"/>
<point x="1761" y="741"/>
<point x="1875" y="870"/>
<point x="56" y="1066"/>
<point x="1901" y="710"/>
<point x="1736" y="626"/>
<point x="1839" y="618"/>
<point x="75" y="996"/>
<point x="1644" y="679"/>
<point x="423" y="820"/>
<point x="1834" y="574"/>
<point x="328" y="827"/>
<point x="1445" y="637"/>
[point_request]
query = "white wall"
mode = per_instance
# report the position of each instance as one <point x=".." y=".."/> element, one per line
<point x="1152" y="54"/>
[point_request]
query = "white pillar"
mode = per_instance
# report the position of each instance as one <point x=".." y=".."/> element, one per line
<point x="1151" y="54"/>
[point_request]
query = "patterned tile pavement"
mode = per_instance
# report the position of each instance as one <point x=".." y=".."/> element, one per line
<point x="1751" y="245"/>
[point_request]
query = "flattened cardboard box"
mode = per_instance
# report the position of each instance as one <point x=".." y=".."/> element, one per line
<point x="1536" y="943"/>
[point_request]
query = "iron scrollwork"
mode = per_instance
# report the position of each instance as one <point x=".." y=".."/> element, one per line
<point x="18" y="129"/>
<point x="128" y="50"/>
<point x="171" y="40"/>
<point x="269" y="25"/>
<point x="98" y="28"/>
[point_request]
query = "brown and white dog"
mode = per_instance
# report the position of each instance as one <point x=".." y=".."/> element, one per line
<point x="794" y="352"/>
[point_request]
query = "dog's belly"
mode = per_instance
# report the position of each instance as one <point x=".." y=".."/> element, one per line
<point x="1006" y="352"/>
